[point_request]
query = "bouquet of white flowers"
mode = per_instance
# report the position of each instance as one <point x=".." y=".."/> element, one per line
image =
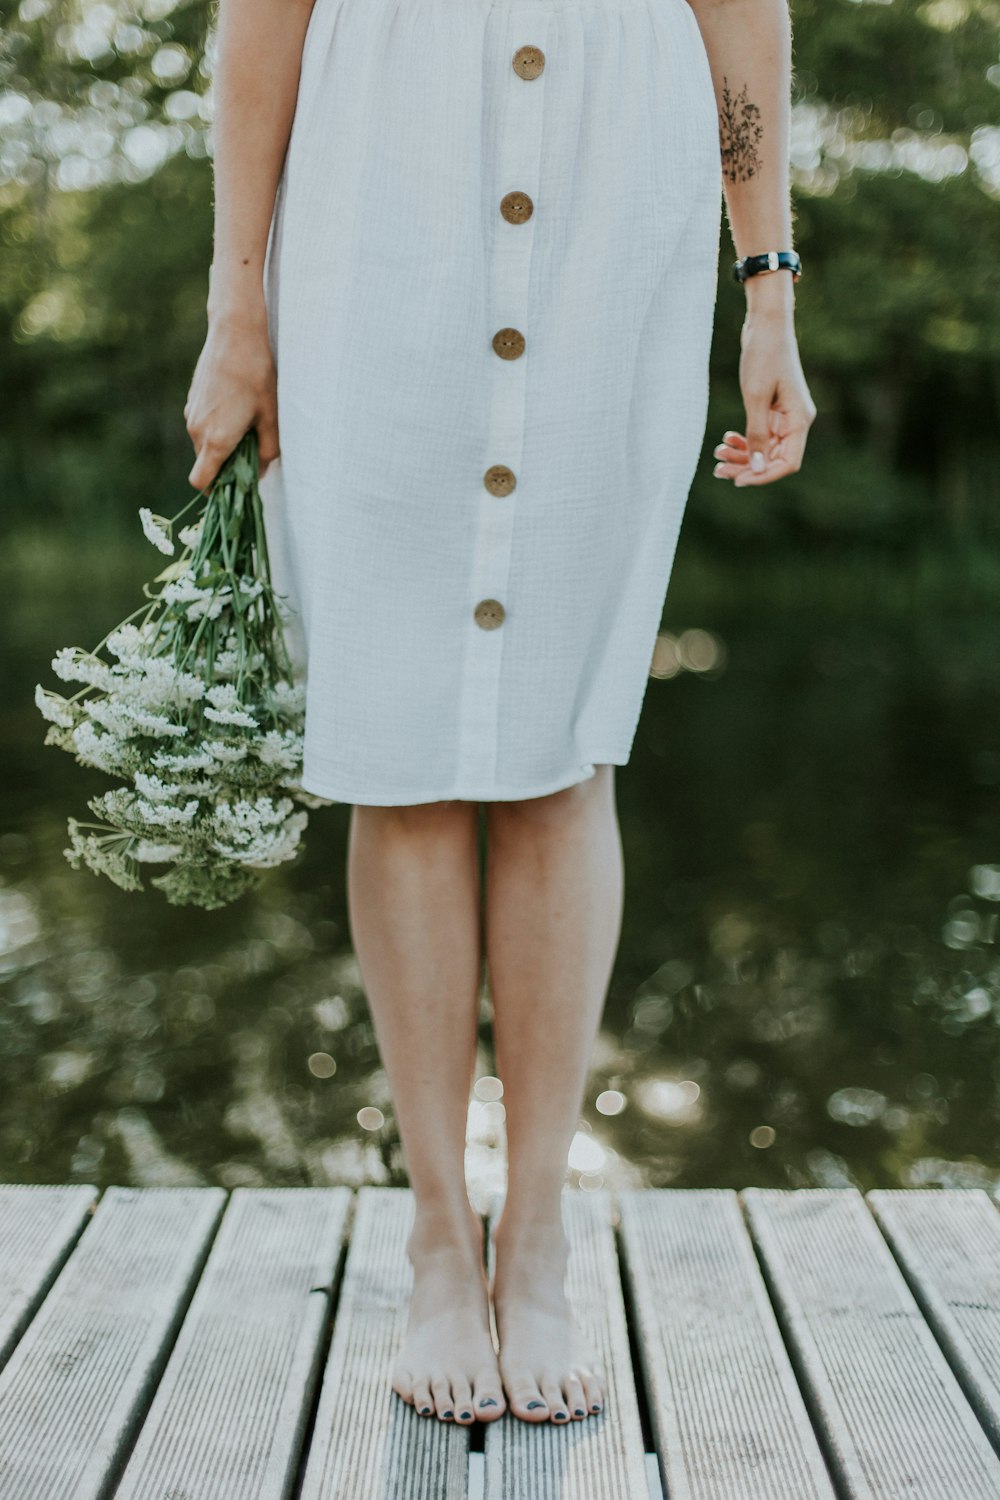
<point x="199" y="714"/>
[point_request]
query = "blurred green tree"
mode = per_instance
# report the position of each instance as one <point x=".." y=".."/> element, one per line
<point x="105" y="228"/>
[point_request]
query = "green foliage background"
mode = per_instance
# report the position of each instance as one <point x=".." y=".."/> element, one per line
<point x="896" y="171"/>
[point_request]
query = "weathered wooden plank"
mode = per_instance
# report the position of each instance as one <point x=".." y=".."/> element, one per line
<point x="38" y="1227"/>
<point x="229" y="1414"/>
<point x="598" y="1457"/>
<point x="894" y="1417"/>
<point x="369" y="1444"/>
<point x="727" y="1415"/>
<point x="77" y="1384"/>
<point x="947" y="1241"/>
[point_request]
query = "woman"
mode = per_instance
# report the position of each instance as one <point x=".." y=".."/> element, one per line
<point x="467" y="250"/>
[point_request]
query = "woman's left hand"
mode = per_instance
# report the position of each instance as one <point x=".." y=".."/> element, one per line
<point x="778" y="405"/>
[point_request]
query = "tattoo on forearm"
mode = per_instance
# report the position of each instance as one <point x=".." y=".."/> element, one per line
<point x="741" y="131"/>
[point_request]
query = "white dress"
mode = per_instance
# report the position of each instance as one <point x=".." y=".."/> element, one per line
<point x="491" y="280"/>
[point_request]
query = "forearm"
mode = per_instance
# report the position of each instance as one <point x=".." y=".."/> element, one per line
<point x="258" y="59"/>
<point x="749" y="50"/>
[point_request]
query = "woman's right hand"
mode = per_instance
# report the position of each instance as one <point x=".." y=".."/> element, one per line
<point x="234" y="388"/>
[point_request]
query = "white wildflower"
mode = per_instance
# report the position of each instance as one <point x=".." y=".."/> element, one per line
<point x="212" y="606"/>
<point x="227" y="663"/>
<point x="200" y="599"/>
<point x="156" y="529"/>
<point x="156" y="684"/>
<point x="198" y="760"/>
<point x="153" y="788"/>
<point x="226" y="754"/>
<point x="153" y="853"/>
<point x="124" y="720"/>
<point x="160" y="816"/>
<point x="103" y="751"/>
<point x="212" y="806"/>
<point x="226" y="707"/>
<point x="232" y="716"/>
<point x="131" y="642"/>
<point x="75" y="665"/>
<point x="191" y="535"/>
<point x="287" y="698"/>
<point x="260" y="833"/>
<point x="54" y="708"/>
<point x="279" y="748"/>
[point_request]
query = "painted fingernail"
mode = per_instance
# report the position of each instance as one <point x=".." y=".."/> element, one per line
<point x="757" y="462"/>
<point x="533" y="1404"/>
<point x="487" y="1401"/>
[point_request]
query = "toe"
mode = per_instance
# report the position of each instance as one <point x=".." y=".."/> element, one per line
<point x="555" y="1400"/>
<point x="526" y="1400"/>
<point x="443" y="1403"/>
<point x="461" y="1391"/>
<point x="402" y="1383"/>
<point x="488" y="1399"/>
<point x="423" y="1401"/>
<point x="593" y="1390"/>
<point x="576" y="1401"/>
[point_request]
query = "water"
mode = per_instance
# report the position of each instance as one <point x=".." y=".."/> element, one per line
<point x="807" y="989"/>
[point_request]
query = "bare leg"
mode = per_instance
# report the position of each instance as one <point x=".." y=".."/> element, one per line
<point x="413" y="894"/>
<point x="555" y="888"/>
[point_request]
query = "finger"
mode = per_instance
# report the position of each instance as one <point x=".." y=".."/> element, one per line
<point x="771" y="473"/>
<point x="777" y="468"/>
<point x="758" y="438"/>
<point x="207" y="464"/>
<point x="785" y="458"/>
<point x="267" y="437"/>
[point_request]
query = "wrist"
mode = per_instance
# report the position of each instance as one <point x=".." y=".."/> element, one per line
<point x="771" y="293"/>
<point x="248" y="310"/>
<point x="236" y="296"/>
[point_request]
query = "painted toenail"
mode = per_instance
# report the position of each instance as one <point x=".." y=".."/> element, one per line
<point x="487" y="1401"/>
<point x="533" y="1404"/>
<point x="465" y="1414"/>
<point x="578" y="1411"/>
<point x="448" y="1413"/>
<point x="595" y="1407"/>
<point x="560" y="1416"/>
<point x="424" y="1411"/>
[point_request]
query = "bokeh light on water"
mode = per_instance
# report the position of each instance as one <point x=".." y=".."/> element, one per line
<point x="807" y="989"/>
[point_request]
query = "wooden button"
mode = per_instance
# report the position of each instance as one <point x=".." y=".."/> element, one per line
<point x="528" y="62"/>
<point x="509" y="343"/>
<point x="489" y="613"/>
<point x="516" y="207"/>
<point x="499" y="480"/>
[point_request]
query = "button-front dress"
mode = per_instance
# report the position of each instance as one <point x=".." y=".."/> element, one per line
<point x="490" y="279"/>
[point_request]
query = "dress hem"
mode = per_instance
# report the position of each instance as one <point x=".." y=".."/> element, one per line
<point x="396" y="799"/>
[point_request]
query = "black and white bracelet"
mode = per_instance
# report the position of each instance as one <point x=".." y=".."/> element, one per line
<point x="770" y="260"/>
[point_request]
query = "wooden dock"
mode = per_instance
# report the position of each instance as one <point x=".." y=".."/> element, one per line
<point x="189" y="1344"/>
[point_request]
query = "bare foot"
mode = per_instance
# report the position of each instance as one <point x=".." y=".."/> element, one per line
<point x="551" y="1371"/>
<point x="447" y="1366"/>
